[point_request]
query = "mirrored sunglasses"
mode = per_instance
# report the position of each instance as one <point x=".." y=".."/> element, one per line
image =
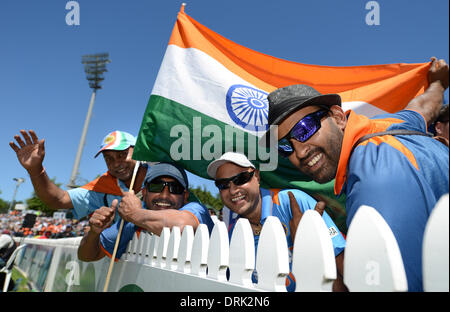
<point x="302" y="131"/>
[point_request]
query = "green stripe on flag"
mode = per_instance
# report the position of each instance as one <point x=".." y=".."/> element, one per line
<point x="171" y="131"/>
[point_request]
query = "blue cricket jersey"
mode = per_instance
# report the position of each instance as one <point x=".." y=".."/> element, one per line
<point x="276" y="203"/>
<point x="401" y="176"/>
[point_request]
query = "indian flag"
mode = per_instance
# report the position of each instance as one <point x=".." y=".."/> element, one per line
<point x="210" y="96"/>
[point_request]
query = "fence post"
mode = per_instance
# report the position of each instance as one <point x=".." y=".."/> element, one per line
<point x="172" y="249"/>
<point x="200" y="247"/>
<point x="185" y="251"/>
<point x="313" y="260"/>
<point x="162" y="247"/>
<point x="272" y="258"/>
<point x="372" y="259"/>
<point x="242" y="254"/>
<point x="218" y="252"/>
<point x="435" y="251"/>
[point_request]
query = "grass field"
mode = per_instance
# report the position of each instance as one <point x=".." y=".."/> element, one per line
<point x="21" y="281"/>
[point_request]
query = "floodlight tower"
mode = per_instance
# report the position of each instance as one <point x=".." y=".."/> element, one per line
<point x="94" y="67"/>
<point x="18" y="182"/>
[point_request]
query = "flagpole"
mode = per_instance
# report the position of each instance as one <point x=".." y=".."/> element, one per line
<point x="111" y="263"/>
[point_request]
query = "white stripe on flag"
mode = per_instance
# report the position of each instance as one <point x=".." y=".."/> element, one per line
<point x="362" y="108"/>
<point x="196" y="80"/>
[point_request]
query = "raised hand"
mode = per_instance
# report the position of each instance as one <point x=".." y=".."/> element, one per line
<point x="297" y="213"/>
<point x="103" y="217"/>
<point x="29" y="153"/>
<point x="438" y="72"/>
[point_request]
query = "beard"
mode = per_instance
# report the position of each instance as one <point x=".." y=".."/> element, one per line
<point x="330" y="153"/>
<point x="325" y="173"/>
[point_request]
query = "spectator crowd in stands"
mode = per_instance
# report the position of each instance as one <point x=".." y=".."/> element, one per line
<point x="44" y="227"/>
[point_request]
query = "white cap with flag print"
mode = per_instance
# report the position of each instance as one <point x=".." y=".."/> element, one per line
<point x="117" y="141"/>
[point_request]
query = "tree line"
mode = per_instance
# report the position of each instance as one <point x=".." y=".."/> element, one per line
<point x="34" y="202"/>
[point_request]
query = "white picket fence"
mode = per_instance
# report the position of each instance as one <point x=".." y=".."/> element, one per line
<point x="184" y="261"/>
<point x="372" y="257"/>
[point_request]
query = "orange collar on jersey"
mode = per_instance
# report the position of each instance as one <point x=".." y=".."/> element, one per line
<point x="357" y="127"/>
<point x="107" y="184"/>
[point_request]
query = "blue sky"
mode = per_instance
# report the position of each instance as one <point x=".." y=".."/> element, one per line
<point x="43" y="85"/>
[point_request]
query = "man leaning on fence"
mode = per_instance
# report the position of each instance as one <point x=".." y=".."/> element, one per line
<point x="238" y="182"/>
<point x="387" y="162"/>
<point x="165" y="204"/>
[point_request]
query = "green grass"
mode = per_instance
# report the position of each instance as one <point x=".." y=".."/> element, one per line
<point x="17" y="277"/>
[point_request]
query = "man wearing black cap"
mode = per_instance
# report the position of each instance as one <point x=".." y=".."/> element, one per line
<point x="164" y="198"/>
<point x="387" y="162"/>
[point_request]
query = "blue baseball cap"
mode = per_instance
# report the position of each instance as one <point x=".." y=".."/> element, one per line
<point x="167" y="169"/>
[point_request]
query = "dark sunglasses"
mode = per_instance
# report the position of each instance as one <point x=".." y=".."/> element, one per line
<point x="302" y="131"/>
<point x="239" y="179"/>
<point x="158" y="187"/>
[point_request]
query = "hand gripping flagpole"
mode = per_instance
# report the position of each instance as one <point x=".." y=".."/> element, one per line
<point x="111" y="263"/>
